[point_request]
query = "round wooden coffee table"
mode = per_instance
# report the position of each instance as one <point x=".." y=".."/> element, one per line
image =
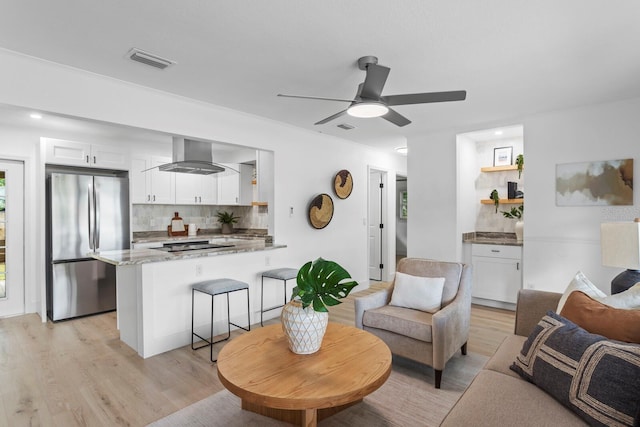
<point x="271" y="380"/>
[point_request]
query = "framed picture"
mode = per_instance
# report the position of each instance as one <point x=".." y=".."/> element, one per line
<point x="599" y="183"/>
<point x="403" y="205"/>
<point x="502" y="156"/>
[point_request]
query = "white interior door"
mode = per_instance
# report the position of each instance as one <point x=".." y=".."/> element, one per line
<point x="11" y="238"/>
<point x="375" y="231"/>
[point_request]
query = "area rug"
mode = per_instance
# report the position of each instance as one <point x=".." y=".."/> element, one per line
<point x="408" y="398"/>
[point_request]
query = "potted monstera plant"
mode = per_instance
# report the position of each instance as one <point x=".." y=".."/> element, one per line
<point x="320" y="284"/>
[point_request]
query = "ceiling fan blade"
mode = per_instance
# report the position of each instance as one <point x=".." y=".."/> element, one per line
<point x="396" y="118"/>
<point x="425" y="98"/>
<point x="374" y="82"/>
<point x="328" y="119"/>
<point x="315" y="97"/>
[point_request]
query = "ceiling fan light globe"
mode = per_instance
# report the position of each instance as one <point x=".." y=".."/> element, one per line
<point x="367" y="109"/>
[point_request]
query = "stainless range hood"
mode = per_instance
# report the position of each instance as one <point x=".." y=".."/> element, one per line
<point x="193" y="157"/>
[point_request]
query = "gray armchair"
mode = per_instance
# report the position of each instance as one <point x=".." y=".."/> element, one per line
<point x="424" y="337"/>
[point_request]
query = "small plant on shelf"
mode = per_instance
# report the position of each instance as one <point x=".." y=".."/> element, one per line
<point x="520" y="164"/>
<point x="515" y="213"/>
<point x="496" y="198"/>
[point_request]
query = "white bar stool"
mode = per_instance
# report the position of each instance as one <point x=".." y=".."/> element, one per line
<point x="283" y="274"/>
<point x="213" y="288"/>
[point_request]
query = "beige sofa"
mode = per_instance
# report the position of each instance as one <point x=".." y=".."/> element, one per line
<point x="498" y="396"/>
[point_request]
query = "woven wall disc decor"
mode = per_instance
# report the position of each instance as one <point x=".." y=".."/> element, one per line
<point x="343" y="184"/>
<point x="321" y="211"/>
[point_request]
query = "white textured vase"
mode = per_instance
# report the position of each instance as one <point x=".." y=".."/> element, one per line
<point x="519" y="230"/>
<point x="304" y="327"/>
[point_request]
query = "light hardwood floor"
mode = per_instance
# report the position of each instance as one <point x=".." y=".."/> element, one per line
<point x="79" y="373"/>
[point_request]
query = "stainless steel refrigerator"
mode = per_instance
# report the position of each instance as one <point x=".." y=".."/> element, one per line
<point x="86" y="212"/>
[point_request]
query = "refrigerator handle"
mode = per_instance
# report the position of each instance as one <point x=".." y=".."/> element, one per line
<point x="96" y="231"/>
<point x="90" y="209"/>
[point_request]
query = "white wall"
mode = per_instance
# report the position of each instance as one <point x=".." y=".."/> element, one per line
<point x="401" y="223"/>
<point x="467" y="172"/>
<point x="561" y="240"/>
<point x="432" y="216"/>
<point x="558" y="241"/>
<point x="305" y="162"/>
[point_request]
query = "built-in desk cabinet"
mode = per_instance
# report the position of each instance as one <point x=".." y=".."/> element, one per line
<point x="73" y="153"/>
<point x="497" y="272"/>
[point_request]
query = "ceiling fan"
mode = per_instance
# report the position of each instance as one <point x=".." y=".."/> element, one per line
<point x="369" y="101"/>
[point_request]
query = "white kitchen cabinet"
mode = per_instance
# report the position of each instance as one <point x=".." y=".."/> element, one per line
<point x="187" y="188"/>
<point x="152" y="186"/>
<point x="236" y="188"/>
<point x="196" y="189"/>
<point x="72" y="153"/>
<point x="264" y="177"/>
<point x="246" y="184"/>
<point x="497" y="272"/>
<point x="208" y="189"/>
<point x="229" y="185"/>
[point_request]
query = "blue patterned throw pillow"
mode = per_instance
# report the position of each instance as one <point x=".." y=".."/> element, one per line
<point x="597" y="378"/>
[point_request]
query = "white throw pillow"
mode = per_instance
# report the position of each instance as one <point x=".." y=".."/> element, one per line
<point x="419" y="293"/>
<point x="582" y="284"/>
<point x="628" y="300"/>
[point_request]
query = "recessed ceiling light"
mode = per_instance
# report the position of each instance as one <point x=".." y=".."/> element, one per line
<point x="498" y="133"/>
<point x="36" y="116"/>
<point x="402" y="150"/>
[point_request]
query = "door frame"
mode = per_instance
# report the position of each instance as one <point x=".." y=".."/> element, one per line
<point x="20" y="241"/>
<point x="384" y="217"/>
<point x="34" y="221"/>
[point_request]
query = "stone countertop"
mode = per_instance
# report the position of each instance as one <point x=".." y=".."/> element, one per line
<point x="161" y="236"/>
<point x="491" y="238"/>
<point x="143" y="256"/>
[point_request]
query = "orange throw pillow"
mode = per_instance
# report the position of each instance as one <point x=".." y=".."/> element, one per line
<point x="597" y="318"/>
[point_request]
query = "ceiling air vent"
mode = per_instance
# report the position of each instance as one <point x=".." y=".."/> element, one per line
<point x="147" y="58"/>
<point x="346" y="126"/>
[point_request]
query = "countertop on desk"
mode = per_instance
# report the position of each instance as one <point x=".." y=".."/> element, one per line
<point x="143" y="256"/>
<point x="490" y="238"/>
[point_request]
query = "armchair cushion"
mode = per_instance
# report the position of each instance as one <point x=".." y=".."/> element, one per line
<point x="420" y="293"/>
<point x="403" y="321"/>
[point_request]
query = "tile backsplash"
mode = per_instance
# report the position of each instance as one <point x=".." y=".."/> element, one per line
<point x="158" y="217"/>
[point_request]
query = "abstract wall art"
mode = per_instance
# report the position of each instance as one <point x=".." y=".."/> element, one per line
<point x="600" y="183"/>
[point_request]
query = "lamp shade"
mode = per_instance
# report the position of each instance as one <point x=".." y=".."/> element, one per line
<point x="620" y="244"/>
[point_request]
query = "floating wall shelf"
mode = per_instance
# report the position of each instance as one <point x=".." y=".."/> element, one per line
<point x="499" y="168"/>
<point x="503" y="201"/>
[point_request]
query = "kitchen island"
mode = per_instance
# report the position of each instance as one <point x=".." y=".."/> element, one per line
<point x="153" y="291"/>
